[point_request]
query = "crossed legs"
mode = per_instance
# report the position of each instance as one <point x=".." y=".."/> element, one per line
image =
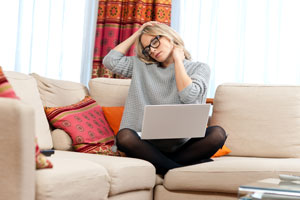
<point x="196" y="150"/>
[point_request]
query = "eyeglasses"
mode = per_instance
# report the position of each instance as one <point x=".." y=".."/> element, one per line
<point x="154" y="43"/>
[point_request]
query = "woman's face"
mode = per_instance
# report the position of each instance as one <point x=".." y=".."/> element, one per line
<point x="160" y="53"/>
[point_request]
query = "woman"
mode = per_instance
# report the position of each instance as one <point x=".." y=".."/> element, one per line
<point x="161" y="73"/>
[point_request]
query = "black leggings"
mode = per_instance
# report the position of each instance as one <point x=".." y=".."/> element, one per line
<point x="196" y="150"/>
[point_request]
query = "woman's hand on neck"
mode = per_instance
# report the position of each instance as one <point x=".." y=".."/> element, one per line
<point x="182" y="78"/>
<point x="176" y="55"/>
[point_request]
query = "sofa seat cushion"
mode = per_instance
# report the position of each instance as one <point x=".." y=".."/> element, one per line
<point x="161" y="193"/>
<point x="134" y="195"/>
<point x="159" y="179"/>
<point x="25" y="87"/>
<point x="226" y="174"/>
<point x="126" y="174"/>
<point x="71" y="179"/>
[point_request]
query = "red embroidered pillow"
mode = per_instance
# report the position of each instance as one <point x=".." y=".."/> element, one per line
<point x="104" y="149"/>
<point x="86" y="125"/>
<point x="6" y="90"/>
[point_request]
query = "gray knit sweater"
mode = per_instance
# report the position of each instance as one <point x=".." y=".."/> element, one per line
<point x="153" y="85"/>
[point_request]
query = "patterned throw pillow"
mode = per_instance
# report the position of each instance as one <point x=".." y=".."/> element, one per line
<point x="6" y="90"/>
<point x="41" y="161"/>
<point x="103" y="149"/>
<point x="86" y="125"/>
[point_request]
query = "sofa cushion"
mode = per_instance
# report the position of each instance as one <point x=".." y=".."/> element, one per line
<point x="83" y="121"/>
<point x="86" y="124"/>
<point x="71" y="179"/>
<point x="61" y="140"/>
<point x="226" y="174"/>
<point x="161" y="193"/>
<point x="58" y="92"/>
<point x="260" y="120"/>
<point x="109" y="92"/>
<point x="134" y="195"/>
<point x="113" y="116"/>
<point x="123" y="172"/>
<point x="222" y="152"/>
<point x="26" y="88"/>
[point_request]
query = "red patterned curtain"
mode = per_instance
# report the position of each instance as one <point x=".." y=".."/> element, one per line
<point x="117" y="20"/>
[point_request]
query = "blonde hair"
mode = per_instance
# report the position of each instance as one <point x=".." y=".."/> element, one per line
<point x="162" y="30"/>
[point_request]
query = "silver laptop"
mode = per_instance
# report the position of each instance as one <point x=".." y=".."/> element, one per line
<point x="174" y="121"/>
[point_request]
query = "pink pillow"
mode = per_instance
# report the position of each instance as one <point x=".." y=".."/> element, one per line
<point x="83" y="121"/>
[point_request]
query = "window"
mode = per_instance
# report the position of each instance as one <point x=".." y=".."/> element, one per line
<point x="53" y="38"/>
<point x="244" y="41"/>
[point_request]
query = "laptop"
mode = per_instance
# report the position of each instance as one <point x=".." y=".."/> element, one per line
<point x="174" y="121"/>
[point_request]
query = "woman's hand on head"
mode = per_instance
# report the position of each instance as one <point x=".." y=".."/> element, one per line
<point x="124" y="46"/>
<point x="178" y="54"/>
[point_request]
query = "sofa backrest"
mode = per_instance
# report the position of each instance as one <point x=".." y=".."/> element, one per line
<point x="25" y="87"/>
<point x="56" y="93"/>
<point x="109" y="92"/>
<point x="260" y="120"/>
<point x="38" y="91"/>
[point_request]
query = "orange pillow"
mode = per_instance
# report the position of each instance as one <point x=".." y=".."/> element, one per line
<point x="113" y="116"/>
<point x="222" y="152"/>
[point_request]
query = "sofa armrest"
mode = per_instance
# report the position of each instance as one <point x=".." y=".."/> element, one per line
<point x="17" y="150"/>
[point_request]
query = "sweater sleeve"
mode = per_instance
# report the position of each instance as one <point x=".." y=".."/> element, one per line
<point x="119" y="63"/>
<point x="197" y="90"/>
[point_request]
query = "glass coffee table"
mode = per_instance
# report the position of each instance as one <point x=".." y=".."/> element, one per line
<point x="268" y="189"/>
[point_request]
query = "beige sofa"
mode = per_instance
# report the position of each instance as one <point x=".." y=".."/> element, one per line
<point x="263" y="124"/>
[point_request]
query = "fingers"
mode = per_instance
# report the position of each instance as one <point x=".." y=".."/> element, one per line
<point x="178" y="52"/>
<point x="178" y="48"/>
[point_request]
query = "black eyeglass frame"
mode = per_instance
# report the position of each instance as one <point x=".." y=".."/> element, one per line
<point x="147" y="49"/>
